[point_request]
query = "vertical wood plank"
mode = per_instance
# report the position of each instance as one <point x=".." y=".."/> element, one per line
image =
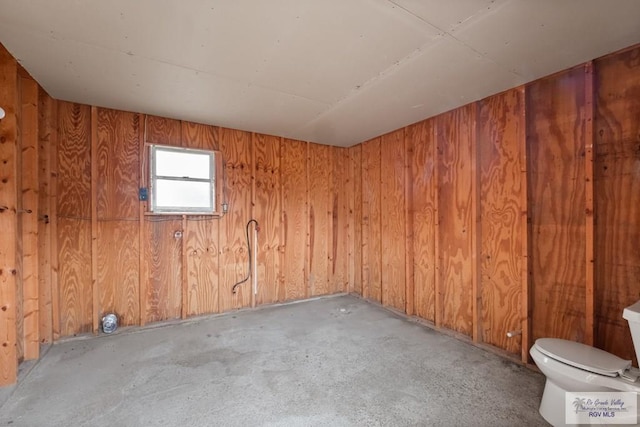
<point x="476" y="233"/>
<point x="29" y="215"/>
<point x="501" y="136"/>
<point x="267" y="210"/>
<point x="184" y="279"/>
<point x="53" y="223"/>
<point x="555" y="144"/>
<point x="392" y="203"/>
<point x="526" y="293"/>
<point x="74" y="218"/>
<point x="341" y="191"/>
<point x="589" y="205"/>
<point x="201" y="246"/>
<point x="94" y="219"/>
<point x="355" y="219"/>
<point x="294" y="217"/>
<point x="8" y="219"/>
<point x="423" y="164"/>
<point x="46" y="133"/>
<point x="117" y="216"/>
<point x="455" y="196"/>
<point x="617" y="198"/>
<point x="143" y="206"/>
<point x="117" y="270"/>
<point x="319" y="222"/>
<point x="235" y="146"/>
<point x="163" y="268"/>
<point x="371" y="221"/>
<point x="408" y="226"/>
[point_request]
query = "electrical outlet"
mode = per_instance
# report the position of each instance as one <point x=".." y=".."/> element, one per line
<point x="143" y="195"/>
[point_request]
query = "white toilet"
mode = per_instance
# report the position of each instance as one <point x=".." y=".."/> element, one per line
<point x="574" y="367"/>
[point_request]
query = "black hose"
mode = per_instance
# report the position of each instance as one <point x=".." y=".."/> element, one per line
<point x="249" y="253"/>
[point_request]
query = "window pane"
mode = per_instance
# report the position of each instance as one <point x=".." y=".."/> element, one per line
<point x="183" y="164"/>
<point x="183" y="194"/>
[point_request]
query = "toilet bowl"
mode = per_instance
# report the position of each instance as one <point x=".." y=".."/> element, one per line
<point x="574" y="367"/>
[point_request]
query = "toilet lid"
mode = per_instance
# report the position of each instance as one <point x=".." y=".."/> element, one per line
<point x="583" y="356"/>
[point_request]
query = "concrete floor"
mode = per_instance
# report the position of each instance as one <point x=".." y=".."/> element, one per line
<point x="336" y="361"/>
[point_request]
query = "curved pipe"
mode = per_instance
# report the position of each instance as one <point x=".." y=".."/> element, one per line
<point x="257" y="228"/>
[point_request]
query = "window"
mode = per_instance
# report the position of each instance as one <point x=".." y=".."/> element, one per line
<point x="183" y="180"/>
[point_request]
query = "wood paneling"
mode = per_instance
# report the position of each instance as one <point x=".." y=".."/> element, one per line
<point x="74" y="160"/>
<point x="162" y="270"/>
<point x="500" y="135"/>
<point x="371" y="221"/>
<point x="29" y="215"/>
<point x="320" y="215"/>
<point x="423" y="169"/>
<point x="355" y="219"/>
<point x="617" y="199"/>
<point x="235" y="147"/>
<point x="47" y="132"/>
<point x="267" y="209"/>
<point x="201" y="245"/>
<point x="204" y="137"/>
<point x="162" y="131"/>
<point x="342" y="190"/>
<point x="118" y="165"/>
<point x="555" y="138"/>
<point x="392" y="208"/>
<point x="8" y="219"/>
<point x="202" y="266"/>
<point x="456" y="219"/>
<point x="294" y="217"/>
<point x="74" y="256"/>
<point x="74" y="218"/>
<point x="118" y="270"/>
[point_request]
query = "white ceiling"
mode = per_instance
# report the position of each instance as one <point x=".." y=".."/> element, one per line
<point x="329" y="71"/>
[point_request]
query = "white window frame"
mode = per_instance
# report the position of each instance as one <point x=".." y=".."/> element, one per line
<point x="214" y="169"/>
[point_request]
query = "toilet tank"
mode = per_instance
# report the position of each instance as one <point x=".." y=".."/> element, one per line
<point x="632" y="315"/>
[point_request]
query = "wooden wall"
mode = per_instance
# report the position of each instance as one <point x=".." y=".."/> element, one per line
<point x="522" y="212"/>
<point x="516" y="213"/>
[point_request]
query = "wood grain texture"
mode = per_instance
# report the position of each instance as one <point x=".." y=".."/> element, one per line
<point x="294" y="217"/>
<point x="162" y="131"/>
<point x="162" y="270"/>
<point x="589" y="210"/>
<point x="423" y="162"/>
<point x="617" y="198"/>
<point x="203" y="137"/>
<point x="29" y="218"/>
<point x="371" y="221"/>
<point x="267" y="209"/>
<point x="355" y="219"/>
<point x="118" y="164"/>
<point x="74" y="160"/>
<point x="555" y="144"/>
<point x="455" y="216"/>
<point x="8" y="219"/>
<point x="320" y="216"/>
<point x="500" y="132"/>
<point x="118" y="270"/>
<point x="201" y="245"/>
<point x="342" y="188"/>
<point x="202" y="266"/>
<point x="235" y="147"/>
<point x="46" y="133"/>
<point x="74" y="275"/>
<point x="392" y="208"/>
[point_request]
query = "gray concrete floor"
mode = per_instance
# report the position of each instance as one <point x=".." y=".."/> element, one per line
<point x="336" y="361"/>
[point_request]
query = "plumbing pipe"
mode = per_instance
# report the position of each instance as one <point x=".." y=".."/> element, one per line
<point x="512" y="334"/>
<point x="255" y="265"/>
